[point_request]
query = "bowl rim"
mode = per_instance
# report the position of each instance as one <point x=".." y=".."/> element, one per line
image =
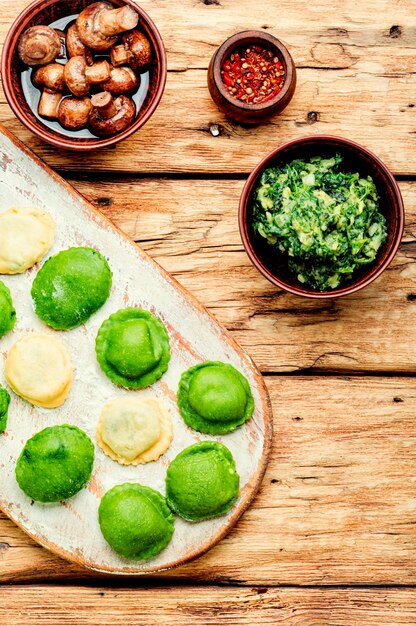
<point x="53" y="137"/>
<point x="365" y="280"/>
<point x="233" y="42"/>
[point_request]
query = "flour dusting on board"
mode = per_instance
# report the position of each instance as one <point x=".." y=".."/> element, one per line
<point x="71" y="528"/>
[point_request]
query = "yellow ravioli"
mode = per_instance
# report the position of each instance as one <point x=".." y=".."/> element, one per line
<point x="26" y="235"/>
<point x="39" y="369"/>
<point x="134" y="430"/>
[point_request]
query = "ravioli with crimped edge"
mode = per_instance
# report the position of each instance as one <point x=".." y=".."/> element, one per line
<point x="214" y="398"/>
<point x="134" y="431"/>
<point x="202" y="481"/>
<point x="132" y="348"/>
<point x="39" y="369"/>
<point x="135" y="521"/>
<point x="26" y="235"/>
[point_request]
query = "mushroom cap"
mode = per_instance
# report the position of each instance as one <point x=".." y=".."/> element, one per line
<point x="75" y="77"/>
<point x="126" y="111"/>
<point x="139" y="47"/>
<point x="122" y="80"/>
<point x="88" y="28"/>
<point x="75" y="47"/>
<point x="73" y="113"/>
<point x="39" y="45"/>
<point x="51" y="77"/>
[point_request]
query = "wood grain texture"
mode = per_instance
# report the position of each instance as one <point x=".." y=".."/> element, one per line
<point x="355" y="78"/>
<point x="337" y="505"/>
<point x="190" y="227"/>
<point x="206" y="606"/>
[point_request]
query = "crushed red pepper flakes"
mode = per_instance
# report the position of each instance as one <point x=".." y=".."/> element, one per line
<point x="253" y="74"/>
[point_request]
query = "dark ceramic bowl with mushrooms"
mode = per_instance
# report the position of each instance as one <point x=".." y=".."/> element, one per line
<point x="83" y="75"/>
<point x="251" y="77"/>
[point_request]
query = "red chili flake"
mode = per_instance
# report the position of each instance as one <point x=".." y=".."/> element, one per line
<point x="228" y="80"/>
<point x="253" y="75"/>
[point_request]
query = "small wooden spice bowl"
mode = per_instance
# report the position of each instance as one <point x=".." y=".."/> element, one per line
<point x="272" y="264"/>
<point x="251" y="113"/>
<point x="47" y="12"/>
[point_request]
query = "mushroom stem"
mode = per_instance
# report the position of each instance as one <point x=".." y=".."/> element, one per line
<point x="51" y="79"/>
<point x="135" y="50"/>
<point x="98" y="73"/>
<point x="103" y="122"/>
<point x="116" y="21"/>
<point x="119" y="55"/>
<point x="79" y="76"/>
<point x="122" y="80"/>
<point x="104" y="104"/>
<point x="49" y="104"/>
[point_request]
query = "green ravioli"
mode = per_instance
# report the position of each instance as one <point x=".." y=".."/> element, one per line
<point x="214" y="398"/>
<point x="4" y="408"/>
<point x="7" y="311"/>
<point x="55" y="463"/>
<point x="135" y="521"/>
<point x="70" y="287"/>
<point x="202" y="481"/>
<point x="133" y="348"/>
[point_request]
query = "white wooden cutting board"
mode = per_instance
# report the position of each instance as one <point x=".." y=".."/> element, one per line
<point x="71" y="528"/>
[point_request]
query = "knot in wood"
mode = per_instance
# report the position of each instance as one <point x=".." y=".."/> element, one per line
<point x="395" y="31"/>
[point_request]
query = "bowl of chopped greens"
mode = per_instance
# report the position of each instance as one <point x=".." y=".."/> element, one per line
<point x="321" y="217"/>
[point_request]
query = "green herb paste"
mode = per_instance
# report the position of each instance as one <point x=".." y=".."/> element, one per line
<point x="326" y="221"/>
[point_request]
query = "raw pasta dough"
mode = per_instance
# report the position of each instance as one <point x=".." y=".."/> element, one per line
<point x="39" y="369"/>
<point x="134" y="430"/>
<point x="135" y="520"/>
<point x="26" y="235"/>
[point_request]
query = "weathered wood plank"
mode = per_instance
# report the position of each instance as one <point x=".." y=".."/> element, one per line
<point x="356" y="78"/>
<point x="191" y="228"/>
<point x="205" y="606"/>
<point x="337" y="504"/>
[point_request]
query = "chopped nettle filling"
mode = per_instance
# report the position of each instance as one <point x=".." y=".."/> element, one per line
<point x="325" y="220"/>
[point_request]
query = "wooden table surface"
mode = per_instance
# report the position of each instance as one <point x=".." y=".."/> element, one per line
<point x="331" y="537"/>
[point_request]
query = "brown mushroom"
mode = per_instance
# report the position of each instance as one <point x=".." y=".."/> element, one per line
<point x="39" y="45"/>
<point x="75" y="47"/>
<point x="73" y="113"/>
<point x="109" y="117"/>
<point x="100" y="23"/>
<point x="122" y="80"/>
<point x="51" y="79"/>
<point x="79" y="76"/>
<point x="135" y="51"/>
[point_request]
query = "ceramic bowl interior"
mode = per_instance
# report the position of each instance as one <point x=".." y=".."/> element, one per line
<point x="273" y="265"/>
<point x="47" y="12"/>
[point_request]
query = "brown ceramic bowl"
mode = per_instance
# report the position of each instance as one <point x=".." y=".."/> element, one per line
<point x="356" y="158"/>
<point x="46" y="12"/>
<point x="242" y="111"/>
